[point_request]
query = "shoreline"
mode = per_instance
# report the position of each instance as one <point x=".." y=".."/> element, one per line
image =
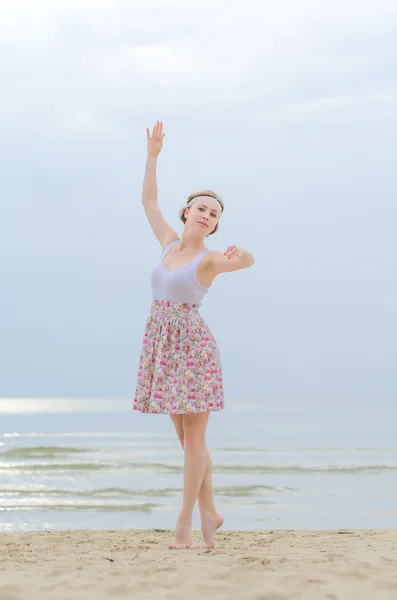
<point x="261" y="564"/>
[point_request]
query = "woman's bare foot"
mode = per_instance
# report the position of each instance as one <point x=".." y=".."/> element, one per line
<point x="183" y="537"/>
<point x="210" y="522"/>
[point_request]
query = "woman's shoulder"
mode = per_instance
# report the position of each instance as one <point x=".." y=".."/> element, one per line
<point x="209" y="258"/>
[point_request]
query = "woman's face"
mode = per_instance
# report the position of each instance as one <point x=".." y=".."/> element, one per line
<point x="204" y="216"/>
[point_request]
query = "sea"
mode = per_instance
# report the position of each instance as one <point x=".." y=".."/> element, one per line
<point x="317" y="463"/>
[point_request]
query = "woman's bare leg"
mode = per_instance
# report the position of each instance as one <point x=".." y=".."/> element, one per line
<point x="211" y="520"/>
<point x="195" y="464"/>
<point x="205" y="497"/>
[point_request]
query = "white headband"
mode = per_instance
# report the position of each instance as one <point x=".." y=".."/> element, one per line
<point x="209" y="199"/>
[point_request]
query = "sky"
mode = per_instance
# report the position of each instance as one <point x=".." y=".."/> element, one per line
<point x="286" y="108"/>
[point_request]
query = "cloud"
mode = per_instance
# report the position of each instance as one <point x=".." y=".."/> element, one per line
<point x="93" y="54"/>
<point x="288" y="107"/>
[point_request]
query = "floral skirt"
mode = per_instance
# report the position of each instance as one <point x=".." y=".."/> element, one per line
<point x="180" y="369"/>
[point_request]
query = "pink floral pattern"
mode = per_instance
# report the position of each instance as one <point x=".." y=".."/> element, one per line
<point x="180" y="368"/>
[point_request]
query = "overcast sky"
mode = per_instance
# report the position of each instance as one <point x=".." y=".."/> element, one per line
<point x="286" y="108"/>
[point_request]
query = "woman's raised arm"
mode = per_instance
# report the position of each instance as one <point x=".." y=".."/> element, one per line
<point x="163" y="232"/>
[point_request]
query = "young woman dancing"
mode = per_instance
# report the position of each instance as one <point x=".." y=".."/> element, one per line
<point x="180" y="370"/>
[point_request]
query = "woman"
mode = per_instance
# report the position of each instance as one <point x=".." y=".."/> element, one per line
<point x="180" y="371"/>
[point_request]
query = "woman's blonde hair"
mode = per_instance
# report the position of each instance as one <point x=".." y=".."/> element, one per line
<point x="209" y="193"/>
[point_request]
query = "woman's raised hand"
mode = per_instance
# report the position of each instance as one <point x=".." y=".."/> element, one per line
<point x="155" y="141"/>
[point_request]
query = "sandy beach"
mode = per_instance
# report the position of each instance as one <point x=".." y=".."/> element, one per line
<point x="262" y="565"/>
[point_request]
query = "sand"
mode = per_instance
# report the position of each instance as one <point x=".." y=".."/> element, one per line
<point x="259" y="565"/>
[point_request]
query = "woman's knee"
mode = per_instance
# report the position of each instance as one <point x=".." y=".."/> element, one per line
<point x="194" y="429"/>
<point x="193" y="440"/>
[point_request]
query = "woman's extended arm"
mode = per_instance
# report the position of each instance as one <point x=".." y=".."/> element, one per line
<point x="233" y="259"/>
<point x="163" y="232"/>
<point x="149" y="189"/>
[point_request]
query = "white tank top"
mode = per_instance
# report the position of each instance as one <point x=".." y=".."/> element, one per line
<point x="178" y="285"/>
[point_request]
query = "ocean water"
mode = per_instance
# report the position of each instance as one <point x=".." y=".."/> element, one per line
<point x="277" y="464"/>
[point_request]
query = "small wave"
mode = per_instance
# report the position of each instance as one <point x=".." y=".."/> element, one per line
<point x="307" y="450"/>
<point x="144" y="507"/>
<point x="250" y="490"/>
<point x="298" y="469"/>
<point x="51" y="467"/>
<point x="100" y="493"/>
<point x="42" y="452"/>
<point x="87" y="434"/>
<point x="228" y="491"/>
<point x="59" y="467"/>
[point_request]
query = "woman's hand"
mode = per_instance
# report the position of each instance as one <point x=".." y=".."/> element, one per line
<point x="234" y="252"/>
<point x="155" y="142"/>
